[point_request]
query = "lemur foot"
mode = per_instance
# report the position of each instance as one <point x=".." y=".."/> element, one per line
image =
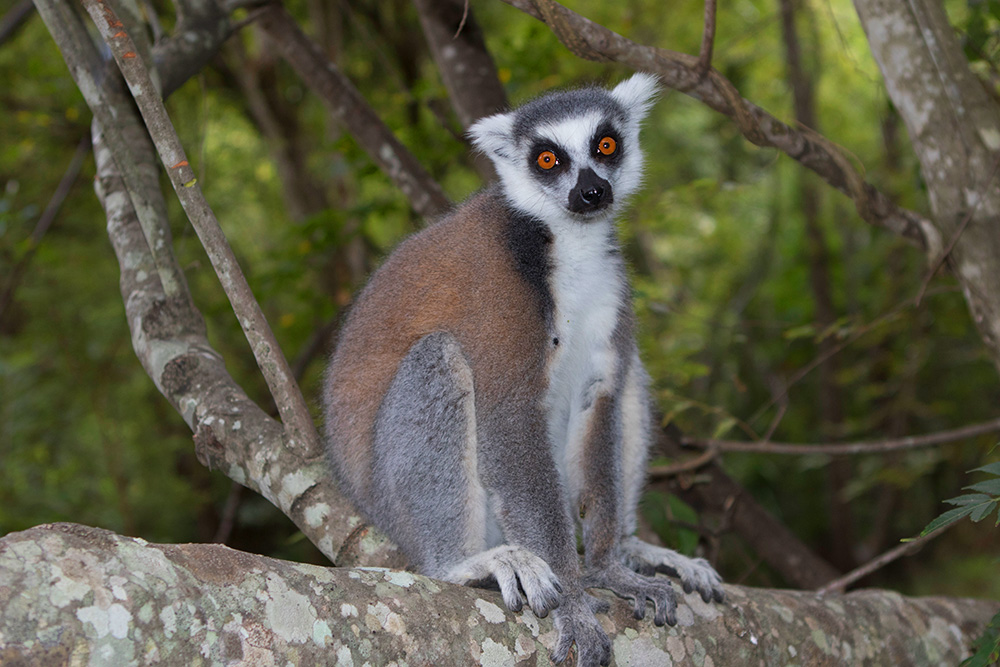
<point x="638" y="588"/>
<point x="509" y="566"/>
<point x="576" y="624"/>
<point x="696" y="574"/>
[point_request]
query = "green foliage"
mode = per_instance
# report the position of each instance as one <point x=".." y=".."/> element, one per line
<point x="672" y="519"/>
<point x="987" y="646"/>
<point x="977" y="506"/>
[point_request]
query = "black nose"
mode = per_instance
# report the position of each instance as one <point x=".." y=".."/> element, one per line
<point x="590" y="194"/>
<point x="593" y="196"/>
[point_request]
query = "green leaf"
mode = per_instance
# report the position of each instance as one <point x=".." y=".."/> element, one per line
<point x="992" y="468"/>
<point x="801" y="331"/>
<point x="990" y="486"/>
<point x="724" y="427"/>
<point x="946" y="519"/>
<point x="982" y="511"/>
<point x="969" y="499"/>
<point x="987" y="646"/>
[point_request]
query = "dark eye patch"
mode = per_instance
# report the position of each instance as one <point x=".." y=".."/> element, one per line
<point x="607" y="131"/>
<point x="547" y="159"/>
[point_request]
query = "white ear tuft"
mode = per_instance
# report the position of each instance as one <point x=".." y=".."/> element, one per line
<point x="637" y="94"/>
<point x="491" y="135"/>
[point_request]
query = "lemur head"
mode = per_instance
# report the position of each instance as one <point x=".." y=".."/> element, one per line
<point x="572" y="154"/>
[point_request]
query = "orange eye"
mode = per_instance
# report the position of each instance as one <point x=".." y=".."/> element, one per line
<point x="547" y="159"/>
<point x="607" y="146"/>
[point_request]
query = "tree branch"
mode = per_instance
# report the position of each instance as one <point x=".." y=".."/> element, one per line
<point x="295" y="415"/>
<point x="681" y="72"/>
<point x="72" y="590"/>
<point x="707" y="39"/>
<point x="45" y="220"/>
<point x="232" y="433"/>
<point x="849" y="448"/>
<point x="840" y="584"/>
<point x="714" y="492"/>
<point x="347" y="105"/>
<point x="15" y="17"/>
<point x="459" y="49"/>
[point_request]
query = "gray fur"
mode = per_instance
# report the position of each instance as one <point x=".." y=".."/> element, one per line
<point x="422" y="490"/>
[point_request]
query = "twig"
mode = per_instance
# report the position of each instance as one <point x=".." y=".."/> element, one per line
<point x="835" y="349"/>
<point x="228" y="519"/>
<point x="299" y="427"/>
<point x="45" y="221"/>
<point x="14" y="19"/>
<point x="465" y="17"/>
<point x="778" y="416"/>
<point x="707" y="38"/>
<point x="849" y="448"/>
<point x="659" y="472"/>
<point x="839" y="584"/>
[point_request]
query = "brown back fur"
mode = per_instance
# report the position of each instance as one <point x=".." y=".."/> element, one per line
<point x="458" y="276"/>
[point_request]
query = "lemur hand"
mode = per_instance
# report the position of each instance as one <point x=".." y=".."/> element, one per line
<point x="576" y="624"/>
<point x="696" y="574"/>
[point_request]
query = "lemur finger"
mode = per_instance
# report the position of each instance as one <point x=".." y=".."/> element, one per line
<point x="639" y="607"/>
<point x="507" y="580"/>
<point x="597" y="605"/>
<point x="666" y="606"/>
<point x="561" y="650"/>
<point x="540" y="590"/>
<point x="540" y="585"/>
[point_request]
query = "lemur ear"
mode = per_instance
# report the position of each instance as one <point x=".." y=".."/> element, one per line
<point x="637" y="94"/>
<point x="492" y="135"/>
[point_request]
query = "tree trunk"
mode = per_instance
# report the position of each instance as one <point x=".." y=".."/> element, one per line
<point x="955" y="129"/>
<point x="73" y="593"/>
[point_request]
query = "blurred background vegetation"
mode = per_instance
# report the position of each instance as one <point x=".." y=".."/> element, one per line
<point x="725" y="277"/>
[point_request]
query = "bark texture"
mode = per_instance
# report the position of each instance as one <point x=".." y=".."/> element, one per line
<point x="954" y="125"/>
<point x="69" y="593"/>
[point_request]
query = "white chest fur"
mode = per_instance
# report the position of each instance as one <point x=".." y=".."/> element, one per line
<point x="588" y="284"/>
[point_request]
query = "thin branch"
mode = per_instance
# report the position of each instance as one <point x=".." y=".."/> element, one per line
<point x="707" y="39"/>
<point x="717" y="493"/>
<point x="16" y="17"/>
<point x="45" y="220"/>
<point x="680" y="71"/>
<point x="709" y="455"/>
<point x="349" y="107"/>
<point x="227" y="520"/>
<point x="840" y="584"/>
<point x="465" y="16"/>
<point x="856" y="334"/>
<point x="295" y="415"/>
<point x="850" y="448"/>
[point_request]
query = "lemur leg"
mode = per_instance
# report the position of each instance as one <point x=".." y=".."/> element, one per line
<point x="531" y="504"/>
<point x="603" y="504"/>
<point x="429" y="494"/>
<point x="694" y="573"/>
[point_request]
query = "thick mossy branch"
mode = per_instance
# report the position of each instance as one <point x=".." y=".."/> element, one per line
<point x="69" y="590"/>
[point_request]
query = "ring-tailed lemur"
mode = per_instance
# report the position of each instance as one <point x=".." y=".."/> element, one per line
<point x="486" y="393"/>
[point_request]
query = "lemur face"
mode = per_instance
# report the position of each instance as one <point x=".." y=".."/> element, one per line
<point x="570" y="154"/>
